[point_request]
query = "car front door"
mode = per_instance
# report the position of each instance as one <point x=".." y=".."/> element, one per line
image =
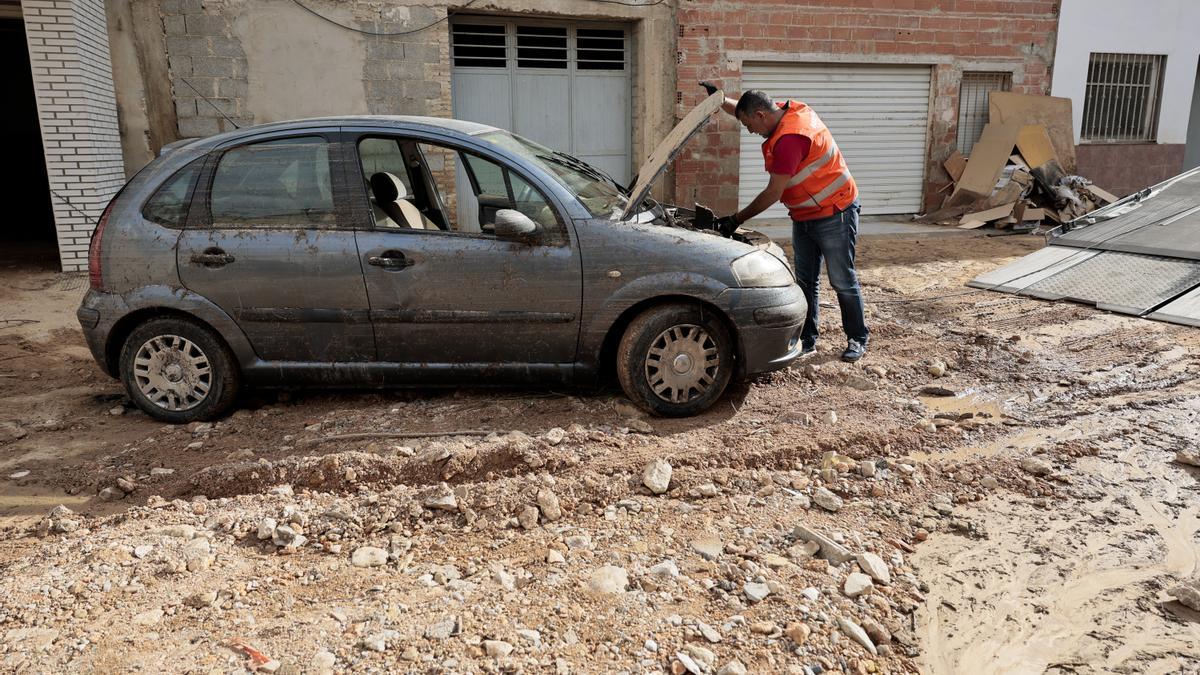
<point x="453" y="296"/>
<point x="268" y="243"/>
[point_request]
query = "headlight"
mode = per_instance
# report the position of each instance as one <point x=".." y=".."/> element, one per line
<point x="761" y="270"/>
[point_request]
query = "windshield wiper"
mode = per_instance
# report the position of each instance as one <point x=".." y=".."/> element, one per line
<point x="574" y="162"/>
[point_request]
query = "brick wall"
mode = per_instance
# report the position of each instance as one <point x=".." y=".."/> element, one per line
<point x="72" y="76"/>
<point x="951" y="36"/>
<point x="1125" y="168"/>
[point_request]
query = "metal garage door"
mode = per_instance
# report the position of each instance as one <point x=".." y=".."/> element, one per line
<point x="563" y="85"/>
<point x="878" y="114"/>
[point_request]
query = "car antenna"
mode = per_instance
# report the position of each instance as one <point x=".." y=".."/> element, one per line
<point x="206" y="100"/>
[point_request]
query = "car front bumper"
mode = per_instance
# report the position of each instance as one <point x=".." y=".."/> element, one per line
<point x="768" y="323"/>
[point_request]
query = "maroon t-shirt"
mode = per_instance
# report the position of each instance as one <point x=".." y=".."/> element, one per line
<point x="790" y="151"/>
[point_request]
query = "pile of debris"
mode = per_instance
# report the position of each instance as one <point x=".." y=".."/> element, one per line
<point x="1021" y="170"/>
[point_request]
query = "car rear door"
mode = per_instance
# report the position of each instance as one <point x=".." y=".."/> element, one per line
<point x="460" y="298"/>
<point x="268" y="241"/>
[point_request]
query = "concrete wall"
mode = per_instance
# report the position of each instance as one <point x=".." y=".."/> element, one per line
<point x="72" y="76"/>
<point x="1167" y="27"/>
<point x="140" y="78"/>
<point x="271" y="60"/>
<point x="1016" y="36"/>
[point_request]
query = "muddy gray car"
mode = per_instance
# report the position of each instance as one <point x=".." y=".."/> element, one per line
<point x="406" y="251"/>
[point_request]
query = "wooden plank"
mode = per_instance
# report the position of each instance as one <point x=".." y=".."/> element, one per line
<point x="972" y="224"/>
<point x="1102" y="194"/>
<point x="1020" y="163"/>
<point x="987" y="161"/>
<point x="1052" y="112"/>
<point x="955" y="165"/>
<point x="1034" y="214"/>
<point x="1034" y="144"/>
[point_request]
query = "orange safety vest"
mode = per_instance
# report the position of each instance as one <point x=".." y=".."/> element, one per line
<point x="822" y="184"/>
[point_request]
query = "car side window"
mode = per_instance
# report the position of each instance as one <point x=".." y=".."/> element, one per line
<point x="169" y="205"/>
<point x="285" y="182"/>
<point x="385" y="171"/>
<point x="478" y="188"/>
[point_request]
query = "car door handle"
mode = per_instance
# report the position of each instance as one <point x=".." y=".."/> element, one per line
<point x="390" y="260"/>
<point x="212" y="257"/>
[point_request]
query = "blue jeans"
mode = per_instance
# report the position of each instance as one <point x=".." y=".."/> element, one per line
<point x="833" y="239"/>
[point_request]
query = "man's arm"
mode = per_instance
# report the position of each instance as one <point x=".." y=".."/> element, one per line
<point x="764" y="200"/>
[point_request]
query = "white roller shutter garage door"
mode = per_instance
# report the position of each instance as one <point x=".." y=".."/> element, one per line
<point x="879" y="116"/>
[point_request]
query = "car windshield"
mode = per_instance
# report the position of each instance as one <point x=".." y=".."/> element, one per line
<point x="598" y="192"/>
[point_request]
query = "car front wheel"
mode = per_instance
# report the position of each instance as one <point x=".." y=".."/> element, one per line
<point x="178" y="370"/>
<point x="675" y="360"/>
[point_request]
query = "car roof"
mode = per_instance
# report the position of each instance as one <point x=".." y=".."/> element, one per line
<point x="350" y="121"/>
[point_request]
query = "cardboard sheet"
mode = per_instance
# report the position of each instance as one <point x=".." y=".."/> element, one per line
<point x="1011" y="192"/>
<point x="987" y="161"/>
<point x="990" y="214"/>
<point x="1051" y="112"/>
<point x="1035" y="146"/>
<point x="955" y="164"/>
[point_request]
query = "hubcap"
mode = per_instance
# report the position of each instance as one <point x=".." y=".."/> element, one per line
<point x="172" y="372"/>
<point x="682" y="363"/>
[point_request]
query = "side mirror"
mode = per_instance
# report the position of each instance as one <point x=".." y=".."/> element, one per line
<point x="515" y="226"/>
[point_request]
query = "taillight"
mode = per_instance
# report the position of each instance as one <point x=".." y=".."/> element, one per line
<point x="94" y="275"/>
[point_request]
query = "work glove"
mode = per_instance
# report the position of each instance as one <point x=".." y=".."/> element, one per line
<point x="709" y="87"/>
<point x="726" y="225"/>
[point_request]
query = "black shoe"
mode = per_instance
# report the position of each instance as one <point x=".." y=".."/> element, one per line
<point x="855" y="350"/>
<point x="807" y="350"/>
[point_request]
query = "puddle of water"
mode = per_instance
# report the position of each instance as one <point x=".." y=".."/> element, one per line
<point x="968" y="402"/>
<point x="1027" y="439"/>
<point x="30" y="502"/>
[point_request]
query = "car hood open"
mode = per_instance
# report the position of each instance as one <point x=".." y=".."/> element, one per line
<point x="669" y="149"/>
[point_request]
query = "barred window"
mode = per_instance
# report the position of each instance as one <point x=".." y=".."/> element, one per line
<point x="1122" y="98"/>
<point x="973" y="105"/>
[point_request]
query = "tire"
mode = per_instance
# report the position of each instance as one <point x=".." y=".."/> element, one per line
<point x="163" y="367"/>
<point x="659" y="360"/>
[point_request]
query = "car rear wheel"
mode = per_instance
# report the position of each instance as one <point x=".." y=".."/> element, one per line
<point x="178" y="370"/>
<point x="675" y="360"/>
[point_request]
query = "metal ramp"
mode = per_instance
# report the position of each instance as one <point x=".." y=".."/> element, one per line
<point x="1138" y="256"/>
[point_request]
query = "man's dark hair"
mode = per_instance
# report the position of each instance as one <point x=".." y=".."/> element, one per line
<point x="753" y="101"/>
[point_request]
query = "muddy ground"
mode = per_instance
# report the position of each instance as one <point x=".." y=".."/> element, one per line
<point x="1033" y="520"/>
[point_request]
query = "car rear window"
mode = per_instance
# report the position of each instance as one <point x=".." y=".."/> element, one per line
<point x="275" y="183"/>
<point x="169" y="205"/>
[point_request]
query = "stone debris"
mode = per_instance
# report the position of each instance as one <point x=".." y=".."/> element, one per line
<point x="709" y="548"/>
<point x="609" y="579"/>
<point x="1189" y="457"/>
<point x="827" y="500"/>
<point x="756" y="592"/>
<point x="797" y="632"/>
<point x="856" y="633"/>
<point x="708" y="632"/>
<point x="497" y="648"/>
<point x="547" y="501"/>
<point x="369" y="556"/>
<point x="874" y="566"/>
<point x="856" y="584"/>
<point x="829" y="549"/>
<point x="656" y="476"/>
<point x="1037" y="466"/>
<point x="1187" y="594"/>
